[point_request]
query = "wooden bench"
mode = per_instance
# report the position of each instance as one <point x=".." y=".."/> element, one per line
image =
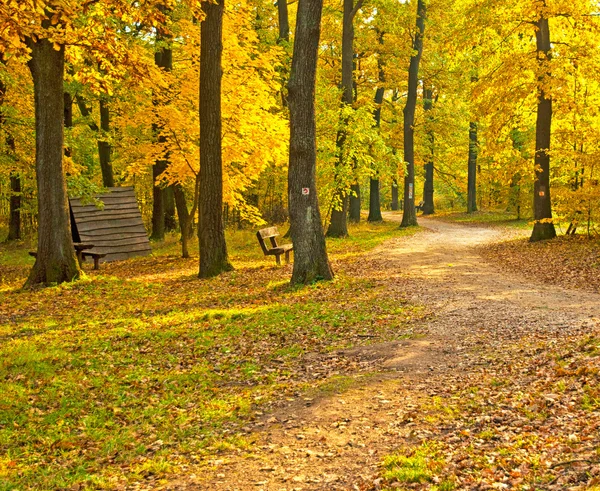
<point x="420" y="206"/>
<point x="96" y="256"/>
<point x="275" y="249"/>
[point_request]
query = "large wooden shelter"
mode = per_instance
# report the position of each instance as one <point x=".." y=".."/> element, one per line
<point x="115" y="229"/>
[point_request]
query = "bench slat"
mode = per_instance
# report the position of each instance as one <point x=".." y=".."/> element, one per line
<point x="266" y="233"/>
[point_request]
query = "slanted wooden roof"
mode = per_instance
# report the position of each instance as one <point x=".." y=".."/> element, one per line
<point x="116" y="230"/>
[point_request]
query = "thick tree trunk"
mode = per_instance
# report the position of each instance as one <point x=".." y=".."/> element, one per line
<point x="310" y="254"/>
<point x="56" y="261"/>
<point x="428" y="206"/>
<point x="472" y="169"/>
<point x="338" y="226"/>
<point x="542" y="210"/>
<point x="409" y="217"/>
<point x="213" y="249"/>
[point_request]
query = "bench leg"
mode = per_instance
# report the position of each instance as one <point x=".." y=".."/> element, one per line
<point x="287" y="257"/>
<point x="278" y="259"/>
<point x="96" y="263"/>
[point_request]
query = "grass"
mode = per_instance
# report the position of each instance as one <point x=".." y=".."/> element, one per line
<point x="416" y="465"/>
<point x="141" y="369"/>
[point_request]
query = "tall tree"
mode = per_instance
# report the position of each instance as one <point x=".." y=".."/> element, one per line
<point x="428" y="206"/>
<point x="338" y="226"/>
<point x="542" y="209"/>
<point x="56" y="261"/>
<point x="213" y="249"/>
<point x="409" y="216"/>
<point x="374" y="195"/>
<point x="472" y="165"/>
<point x="310" y="254"/>
<point x="163" y="57"/>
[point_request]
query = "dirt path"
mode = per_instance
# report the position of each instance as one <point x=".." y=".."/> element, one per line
<point x="337" y="442"/>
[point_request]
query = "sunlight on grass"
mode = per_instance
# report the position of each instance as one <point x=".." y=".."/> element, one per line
<point x="140" y="366"/>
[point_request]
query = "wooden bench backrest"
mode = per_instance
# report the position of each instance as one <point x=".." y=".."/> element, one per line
<point x="267" y="233"/>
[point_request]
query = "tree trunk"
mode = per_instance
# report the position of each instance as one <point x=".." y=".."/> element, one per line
<point x="310" y="254"/>
<point x="163" y="58"/>
<point x="428" y="206"/>
<point x="185" y="218"/>
<point x="338" y="226"/>
<point x="284" y="23"/>
<point x="374" y="202"/>
<point x="14" y="219"/>
<point x="56" y="261"/>
<point x="68" y="117"/>
<point x="395" y="201"/>
<point x="409" y="217"/>
<point x="104" y="146"/>
<point x="213" y="249"/>
<point x="354" y="206"/>
<point x="542" y="210"/>
<point x="169" y="198"/>
<point x="472" y="169"/>
<point x="374" y="198"/>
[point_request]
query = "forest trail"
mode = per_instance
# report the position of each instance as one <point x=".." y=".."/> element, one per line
<point x="338" y="441"/>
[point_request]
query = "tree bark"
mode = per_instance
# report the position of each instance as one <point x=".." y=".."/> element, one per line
<point x="542" y="208"/>
<point x="310" y="254"/>
<point x="56" y="261"/>
<point x="409" y="216"/>
<point x="213" y="249"/>
<point x="428" y="206"/>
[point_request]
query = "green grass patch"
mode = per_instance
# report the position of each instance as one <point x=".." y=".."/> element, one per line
<point x="416" y="465"/>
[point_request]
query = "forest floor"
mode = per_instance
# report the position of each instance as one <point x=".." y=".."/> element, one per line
<point x="499" y="390"/>
<point x="446" y="357"/>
